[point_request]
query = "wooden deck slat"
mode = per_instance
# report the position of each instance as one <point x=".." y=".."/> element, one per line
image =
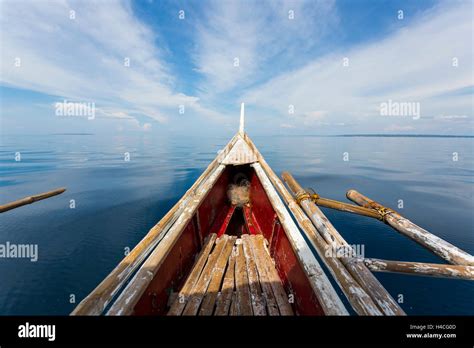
<point x="200" y="288"/>
<point x="233" y="277"/>
<point x="234" y="308"/>
<point x="242" y="284"/>
<point x="209" y="300"/>
<point x="268" y="295"/>
<point x="275" y="282"/>
<point x="182" y="298"/>
<point x="257" y="300"/>
<point x="225" y="299"/>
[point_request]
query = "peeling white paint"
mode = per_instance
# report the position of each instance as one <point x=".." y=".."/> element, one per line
<point x="438" y="246"/>
<point x="422" y="269"/>
<point x="240" y="154"/>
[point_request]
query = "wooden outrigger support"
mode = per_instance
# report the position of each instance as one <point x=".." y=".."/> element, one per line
<point x="375" y="210"/>
<point x="421" y="269"/>
<point x="342" y="206"/>
<point x="461" y="267"/>
<point x="334" y="240"/>
<point x="31" y="199"/>
<point x="433" y="243"/>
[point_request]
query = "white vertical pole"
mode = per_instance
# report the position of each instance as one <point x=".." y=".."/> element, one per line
<point x="242" y="118"/>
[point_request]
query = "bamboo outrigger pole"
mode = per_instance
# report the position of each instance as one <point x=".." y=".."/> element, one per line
<point x="345" y="207"/>
<point x="374" y="210"/>
<point x="31" y="199"/>
<point x="421" y="269"/>
<point x="438" y="246"/>
<point x="354" y="265"/>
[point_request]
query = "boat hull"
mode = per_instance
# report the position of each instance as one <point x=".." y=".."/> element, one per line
<point x="217" y="215"/>
<point x="236" y="195"/>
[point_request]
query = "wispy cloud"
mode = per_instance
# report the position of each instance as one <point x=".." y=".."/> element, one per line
<point x="397" y="128"/>
<point x="240" y="43"/>
<point x="281" y="49"/>
<point x="414" y="64"/>
<point x="100" y="53"/>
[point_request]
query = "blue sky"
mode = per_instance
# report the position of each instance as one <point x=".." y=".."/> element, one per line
<point x="284" y="64"/>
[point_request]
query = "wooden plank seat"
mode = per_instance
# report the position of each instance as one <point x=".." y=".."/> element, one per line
<point x="232" y="276"/>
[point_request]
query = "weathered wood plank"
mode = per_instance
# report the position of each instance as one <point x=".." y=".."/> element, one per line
<point x="183" y="296"/>
<point x="242" y="283"/>
<point x="265" y="281"/>
<point x="257" y="299"/>
<point x="275" y="281"/>
<point x="199" y="290"/>
<point x="225" y="299"/>
<point x="207" y="306"/>
<point x="234" y="308"/>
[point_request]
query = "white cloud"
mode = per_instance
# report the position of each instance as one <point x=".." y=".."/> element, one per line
<point x="260" y="35"/>
<point x="411" y="65"/>
<point x="451" y="117"/>
<point x="398" y="128"/>
<point x="85" y="58"/>
<point x="314" y="116"/>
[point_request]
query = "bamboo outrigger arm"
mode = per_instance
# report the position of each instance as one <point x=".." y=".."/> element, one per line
<point x="342" y="206"/>
<point x="358" y="269"/>
<point x="421" y="268"/>
<point x="31" y="199"/>
<point x="375" y="210"/>
<point x="438" y="246"/>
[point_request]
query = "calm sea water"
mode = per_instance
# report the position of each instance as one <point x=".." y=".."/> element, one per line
<point x="118" y="201"/>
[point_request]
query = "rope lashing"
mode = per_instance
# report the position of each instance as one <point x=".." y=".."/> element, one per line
<point x="308" y="194"/>
<point x="382" y="211"/>
<point x="314" y="196"/>
<point x="300" y="196"/>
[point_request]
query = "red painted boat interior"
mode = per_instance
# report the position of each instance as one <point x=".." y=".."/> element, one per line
<point x="217" y="215"/>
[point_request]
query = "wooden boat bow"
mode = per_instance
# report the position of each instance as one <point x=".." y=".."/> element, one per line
<point x="159" y="266"/>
